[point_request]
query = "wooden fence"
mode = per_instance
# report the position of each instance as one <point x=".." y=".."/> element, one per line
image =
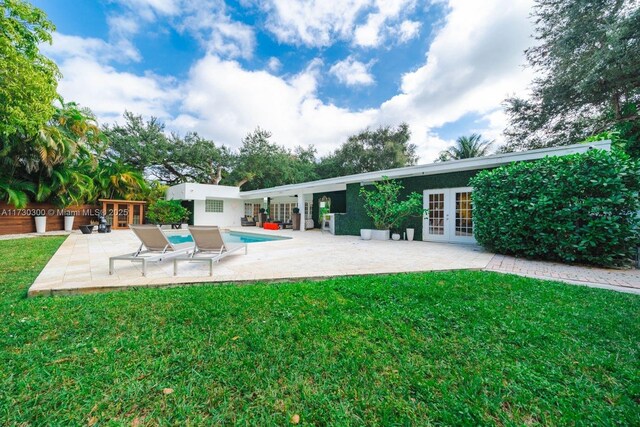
<point x="18" y="221"/>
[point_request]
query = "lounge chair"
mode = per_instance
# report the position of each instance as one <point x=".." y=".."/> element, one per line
<point x="247" y="221"/>
<point x="210" y="247"/>
<point x="157" y="247"/>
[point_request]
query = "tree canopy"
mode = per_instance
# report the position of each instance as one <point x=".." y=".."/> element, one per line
<point x="261" y="163"/>
<point x="28" y="79"/>
<point x="170" y="158"/>
<point x="586" y="59"/>
<point x="371" y="150"/>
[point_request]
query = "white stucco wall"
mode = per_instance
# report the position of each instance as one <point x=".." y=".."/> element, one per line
<point x="233" y="209"/>
<point x="192" y="191"/>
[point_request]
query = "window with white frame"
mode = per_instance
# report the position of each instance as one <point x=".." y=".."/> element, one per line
<point x="214" y="206"/>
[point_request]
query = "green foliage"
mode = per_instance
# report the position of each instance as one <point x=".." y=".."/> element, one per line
<point x="114" y="179"/>
<point x="441" y="348"/>
<point x="383" y="207"/>
<point x="167" y="212"/>
<point x="321" y="214"/>
<point x="263" y="164"/>
<point x="172" y="159"/>
<point x="587" y="80"/>
<point x="150" y="192"/>
<point x="466" y="147"/>
<point x="380" y="149"/>
<point x="28" y="80"/>
<point x="580" y="208"/>
<point x="57" y="163"/>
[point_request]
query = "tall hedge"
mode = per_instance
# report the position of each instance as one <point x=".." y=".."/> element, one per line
<point x="581" y="208"/>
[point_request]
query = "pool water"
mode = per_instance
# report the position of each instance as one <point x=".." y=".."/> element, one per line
<point x="228" y="236"/>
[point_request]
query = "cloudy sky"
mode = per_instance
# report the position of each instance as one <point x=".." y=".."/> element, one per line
<point x="310" y="71"/>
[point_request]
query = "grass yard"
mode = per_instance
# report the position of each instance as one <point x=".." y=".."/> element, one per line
<point x="470" y="348"/>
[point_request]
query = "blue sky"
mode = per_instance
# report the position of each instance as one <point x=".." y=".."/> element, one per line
<point x="312" y="72"/>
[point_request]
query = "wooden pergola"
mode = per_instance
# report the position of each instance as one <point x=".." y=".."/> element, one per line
<point x="121" y="213"/>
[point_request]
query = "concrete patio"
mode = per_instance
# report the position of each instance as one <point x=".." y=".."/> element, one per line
<point x="82" y="262"/>
<point x="81" y="265"/>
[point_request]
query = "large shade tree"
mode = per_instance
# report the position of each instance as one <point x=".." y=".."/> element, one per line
<point x="466" y="147"/>
<point x="371" y="150"/>
<point x="587" y="58"/>
<point x="169" y="158"/>
<point x="261" y="163"/>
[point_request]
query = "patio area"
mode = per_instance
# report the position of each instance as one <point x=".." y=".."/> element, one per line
<point x="82" y="262"/>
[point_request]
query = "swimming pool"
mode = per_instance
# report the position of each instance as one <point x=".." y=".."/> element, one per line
<point x="183" y="236"/>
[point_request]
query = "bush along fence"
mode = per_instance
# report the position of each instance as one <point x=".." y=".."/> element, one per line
<point x="581" y="208"/>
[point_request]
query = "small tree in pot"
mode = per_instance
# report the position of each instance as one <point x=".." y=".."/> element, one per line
<point x="167" y="212"/>
<point x="384" y="208"/>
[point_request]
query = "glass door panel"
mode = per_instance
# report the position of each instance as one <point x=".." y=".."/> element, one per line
<point x="464" y="220"/>
<point x="450" y="217"/>
<point x="435" y="224"/>
<point x="122" y="216"/>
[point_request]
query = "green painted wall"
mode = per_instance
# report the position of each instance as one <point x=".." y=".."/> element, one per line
<point x="338" y="204"/>
<point x="356" y="218"/>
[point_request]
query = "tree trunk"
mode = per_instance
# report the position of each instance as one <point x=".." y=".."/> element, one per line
<point x="216" y="180"/>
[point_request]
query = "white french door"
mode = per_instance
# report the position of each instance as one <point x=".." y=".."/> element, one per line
<point x="450" y="215"/>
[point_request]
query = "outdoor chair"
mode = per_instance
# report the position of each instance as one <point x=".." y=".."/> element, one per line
<point x="210" y="247"/>
<point x="247" y="221"/>
<point x="156" y="247"/>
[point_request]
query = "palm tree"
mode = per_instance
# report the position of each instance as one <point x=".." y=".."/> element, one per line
<point x="116" y="180"/>
<point x="466" y="147"/>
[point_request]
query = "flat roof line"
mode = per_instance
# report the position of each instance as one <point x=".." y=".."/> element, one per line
<point x="428" y="169"/>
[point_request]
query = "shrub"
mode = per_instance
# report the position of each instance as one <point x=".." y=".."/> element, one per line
<point x="167" y="212"/>
<point x="383" y="207"/>
<point x="579" y="208"/>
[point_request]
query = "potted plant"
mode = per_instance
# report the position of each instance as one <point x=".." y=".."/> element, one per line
<point x="384" y="208"/>
<point x="295" y="219"/>
<point x="410" y="234"/>
<point x="41" y="221"/>
<point x="167" y="212"/>
<point x="69" y="216"/>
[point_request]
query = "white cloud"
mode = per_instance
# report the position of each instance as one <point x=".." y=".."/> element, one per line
<point x="373" y="32"/>
<point x="473" y="63"/>
<point x="206" y="20"/>
<point x="352" y="73"/>
<point x="274" y="64"/>
<point x="408" y="30"/>
<point x="312" y="22"/>
<point x="317" y="23"/>
<point x="64" y="46"/>
<point x="90" y="81"/>
<point x="227" y="109"/>
<point x="219" y="34"/>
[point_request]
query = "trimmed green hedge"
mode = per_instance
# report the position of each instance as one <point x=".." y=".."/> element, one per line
<point x="580" y="208"/>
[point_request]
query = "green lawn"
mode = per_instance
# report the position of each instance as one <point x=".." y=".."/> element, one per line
<point x="468" y="348"/>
